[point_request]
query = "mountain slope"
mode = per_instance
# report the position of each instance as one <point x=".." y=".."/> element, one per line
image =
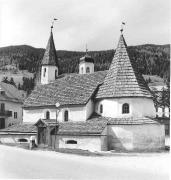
<point x="151" y="59"/>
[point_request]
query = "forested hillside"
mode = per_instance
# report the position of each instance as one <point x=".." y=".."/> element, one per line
<point x="151" y="59"/>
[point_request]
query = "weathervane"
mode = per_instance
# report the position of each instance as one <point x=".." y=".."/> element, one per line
<point x="122" y="25"/>
<point x="86" y="50"/>
<point x="53" y="23"/>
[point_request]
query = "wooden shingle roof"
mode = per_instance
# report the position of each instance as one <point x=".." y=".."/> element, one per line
<point x="125" y="121"/>
<point x="72" y="89"/>
<point x="75" y="128"/>
<point x="123" y="78"/>
<point x="50" y="56"/>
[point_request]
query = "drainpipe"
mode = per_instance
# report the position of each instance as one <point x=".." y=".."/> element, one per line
<point x="57" y="112"/>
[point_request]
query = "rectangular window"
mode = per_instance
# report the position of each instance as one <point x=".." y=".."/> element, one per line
<point x="15" y="115"/>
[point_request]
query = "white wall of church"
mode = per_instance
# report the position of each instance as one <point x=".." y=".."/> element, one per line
<point x="77" y="113"/>
<point x="91" y="143"/>
<point x="83" y="66"/>
<point x="139" y="107"/>
<point x="48" y="74"/>
<point x="136" y="137"/>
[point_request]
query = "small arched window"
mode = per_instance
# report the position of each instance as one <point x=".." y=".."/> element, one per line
<point x="56" y="73"/>
<point x="44" y="73"/>
<point x="101" y="108"/>
<point x="125" y="108"/>
<point x="47" y="115"/>
<point x="82" y="70"/>
<point x="66" y="116"/>
<point x="71" y="142"/>
<point x="87" y="70"/>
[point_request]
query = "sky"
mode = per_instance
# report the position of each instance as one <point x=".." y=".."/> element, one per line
<point x="96" y="23"/>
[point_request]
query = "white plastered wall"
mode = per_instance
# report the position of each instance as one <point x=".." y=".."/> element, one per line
<point x="84" y="65"/>
<point x="49" y="75"/>
<point x="132" y="137"/>
<point x="139" y="107"/>
<point x="79" y="113"/>
<point x="14" y="107"/>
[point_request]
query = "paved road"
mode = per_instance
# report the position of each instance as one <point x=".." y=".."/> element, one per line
<point x="21" y="163"/>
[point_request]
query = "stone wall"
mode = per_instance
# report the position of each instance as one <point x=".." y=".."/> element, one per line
<point x="136" y="137"/>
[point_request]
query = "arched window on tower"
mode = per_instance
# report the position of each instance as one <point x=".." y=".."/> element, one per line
<point x="47" y="115"/>
<point x="101" y="108"/>
<point x="66" y="116"/>
<point x="82" y="70"/>
<point x="87" y="70"/>
<point x="125" y="108"/>
<point x="44" y="73"/>
<point x="56" y="74"/>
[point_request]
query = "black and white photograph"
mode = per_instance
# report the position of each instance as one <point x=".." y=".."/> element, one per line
<point x="85" y="89"/>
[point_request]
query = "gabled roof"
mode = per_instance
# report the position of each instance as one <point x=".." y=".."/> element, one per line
<point x="11" y="93"/>
<point x="50" y="56"/>
<point x="72" y="89"/>
<point x="123" y="78"/>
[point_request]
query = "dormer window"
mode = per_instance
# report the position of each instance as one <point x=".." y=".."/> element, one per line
<point x="125" y="108"/>
<point x="87" y="70"/>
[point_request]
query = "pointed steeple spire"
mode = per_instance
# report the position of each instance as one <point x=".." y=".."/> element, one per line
<point x="123" y="78"/>
<point x="50" y="56"/>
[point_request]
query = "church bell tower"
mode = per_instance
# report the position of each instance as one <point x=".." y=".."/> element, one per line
<point x="49" y="65"/>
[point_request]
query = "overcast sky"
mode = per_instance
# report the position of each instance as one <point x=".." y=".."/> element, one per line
<point x="95" y="22"/>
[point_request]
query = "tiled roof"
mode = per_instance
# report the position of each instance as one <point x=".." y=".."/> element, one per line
<point x="50" y="56"/>
<point x="77" y="128"/>
<point x="21" y="128"/>
<point x="125" y="121"/>
<point x="11" y="93"/>
<point x="72" y="89"/>
<point x="123" y="79"/>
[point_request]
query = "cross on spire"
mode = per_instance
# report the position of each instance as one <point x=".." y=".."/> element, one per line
<point x="53" y="23"/>
<point x="122" y="25"/>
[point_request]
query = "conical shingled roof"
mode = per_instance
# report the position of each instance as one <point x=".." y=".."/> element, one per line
<point x="50" y="56"/>
<point x="123" y="79"/>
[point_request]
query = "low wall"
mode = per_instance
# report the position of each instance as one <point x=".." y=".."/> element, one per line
<point x="91" y="143"/>
<point x="136" y="137"/>
<point x="14" y="139"/>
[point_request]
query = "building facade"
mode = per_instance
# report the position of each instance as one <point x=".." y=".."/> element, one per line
<point x="11" y="101"/>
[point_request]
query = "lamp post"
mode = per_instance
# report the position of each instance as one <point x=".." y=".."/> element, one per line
<point x="57" y="112"/>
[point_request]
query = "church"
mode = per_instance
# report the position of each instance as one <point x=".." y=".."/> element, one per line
<point x="96" y="111"/>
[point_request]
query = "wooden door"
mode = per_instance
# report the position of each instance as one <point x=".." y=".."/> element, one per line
<point x="42" y="135"/>
<point x="2" y="123"/>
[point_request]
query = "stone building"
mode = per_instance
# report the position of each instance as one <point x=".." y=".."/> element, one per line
<point x="104" y="110"/>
